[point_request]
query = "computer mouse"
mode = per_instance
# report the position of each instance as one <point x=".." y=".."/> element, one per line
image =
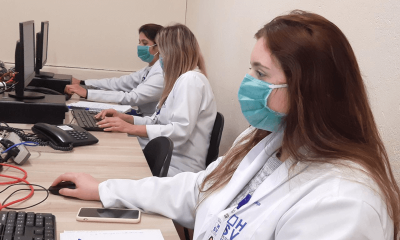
<point x="67" y="184"/>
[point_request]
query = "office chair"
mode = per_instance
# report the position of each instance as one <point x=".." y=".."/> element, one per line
<point x="215" y="140"/>
<point x="158" y="154"/>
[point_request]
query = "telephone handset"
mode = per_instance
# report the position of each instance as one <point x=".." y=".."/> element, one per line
<point x="64" y="135"/>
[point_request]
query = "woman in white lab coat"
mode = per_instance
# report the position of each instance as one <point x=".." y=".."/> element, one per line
<point x="312" y="166"/>
<point x="142" y="88"/>
<point x="186" y="111"/>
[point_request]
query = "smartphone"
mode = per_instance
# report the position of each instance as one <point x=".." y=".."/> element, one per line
<point x="118" y="215"/>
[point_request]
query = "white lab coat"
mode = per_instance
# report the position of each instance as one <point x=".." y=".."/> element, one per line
<point x="130" y="89"/>
<point x="187" y="118"/>
<point x="319" y="202"/>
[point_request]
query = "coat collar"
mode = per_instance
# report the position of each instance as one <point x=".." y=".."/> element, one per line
<point x="249" y="166"/>
<point x="155" y="68"/>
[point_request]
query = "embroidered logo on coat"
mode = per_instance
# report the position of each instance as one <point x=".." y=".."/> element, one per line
<point x="233" y="228"/>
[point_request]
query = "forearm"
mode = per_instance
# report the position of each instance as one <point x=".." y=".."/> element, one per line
<point x="138" y="130"/>
<point x="127" y="118"/>
<point x="124" y="83"/>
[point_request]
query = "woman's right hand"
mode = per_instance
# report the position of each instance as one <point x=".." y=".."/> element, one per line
<point x="74" y="88"/>
<point x="75" y="81"/>
<point x="108" y="113"/>
<point x="87" y="188"/>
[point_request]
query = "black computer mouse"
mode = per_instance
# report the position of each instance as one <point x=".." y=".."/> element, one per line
<point x="67" y="184"/>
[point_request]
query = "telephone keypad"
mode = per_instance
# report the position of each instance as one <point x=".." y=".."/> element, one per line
<point x="78" y="135"/>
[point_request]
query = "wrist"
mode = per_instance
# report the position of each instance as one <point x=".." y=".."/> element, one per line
<point x="84" y="91"/>
<point x="127" y="118"/>
<point x="132" y="130"/>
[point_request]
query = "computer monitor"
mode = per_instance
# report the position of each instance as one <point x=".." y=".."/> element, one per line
<point x="25" y="61"/>
<point x="42" y="40"/>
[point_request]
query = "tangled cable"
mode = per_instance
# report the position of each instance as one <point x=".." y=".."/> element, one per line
<point x="18" y="180"/>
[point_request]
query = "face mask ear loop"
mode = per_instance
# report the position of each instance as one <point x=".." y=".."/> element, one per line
<point x="272" y="87"/>
<point x="153" y="46"/>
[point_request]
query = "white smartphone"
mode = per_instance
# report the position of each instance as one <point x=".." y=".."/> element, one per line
<point x="117" y="215"/>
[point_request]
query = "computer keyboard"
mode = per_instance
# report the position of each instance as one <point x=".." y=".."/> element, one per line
<point x="18" y="225"/>
<point x="85" y="119"/>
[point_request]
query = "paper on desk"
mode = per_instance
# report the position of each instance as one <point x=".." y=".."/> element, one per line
<point x="100" y="106"/>
<point x="151" y="234"/>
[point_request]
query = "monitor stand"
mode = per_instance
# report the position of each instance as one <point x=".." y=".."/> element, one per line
<point x="27" y="95"/>
<point x="44" y="74"/>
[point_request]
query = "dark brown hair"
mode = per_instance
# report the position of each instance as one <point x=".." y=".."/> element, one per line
<point x="150" y="31"/>
<point x="329" y="113"/>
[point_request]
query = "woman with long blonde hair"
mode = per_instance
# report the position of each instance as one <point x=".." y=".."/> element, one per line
<point x="312" y="166"/>
<point x="186" y="111"/>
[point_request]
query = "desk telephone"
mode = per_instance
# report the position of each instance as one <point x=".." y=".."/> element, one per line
<point x="64" y="135"/>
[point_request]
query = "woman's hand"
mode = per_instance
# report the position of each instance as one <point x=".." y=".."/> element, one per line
<point x="113" y="113"/>
<point x="108" y="113"/>
<point x="76" y="81"/>
<point x="87" y="188"/>
<point x="115" y="124"/>
<point x="74" y="88"/>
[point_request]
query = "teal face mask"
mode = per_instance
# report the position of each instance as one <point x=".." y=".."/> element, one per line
<point x="253" y="98"/>
<point x="144" y="53"/>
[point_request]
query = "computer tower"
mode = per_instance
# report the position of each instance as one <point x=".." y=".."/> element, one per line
<point x="50" y="109"/>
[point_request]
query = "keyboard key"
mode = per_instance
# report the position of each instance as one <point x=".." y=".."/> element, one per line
<point x="29" y="223"/>
<point x="3" y="217"/>
<point x="7" y="237"/>
<point x="39" y="222"/>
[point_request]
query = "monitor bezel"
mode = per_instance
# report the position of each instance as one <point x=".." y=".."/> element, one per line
<point x="20" y="79"/>
<point x="40" y="59"/>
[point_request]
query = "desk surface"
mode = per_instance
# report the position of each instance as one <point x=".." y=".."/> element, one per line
<point x="115" y="156"/>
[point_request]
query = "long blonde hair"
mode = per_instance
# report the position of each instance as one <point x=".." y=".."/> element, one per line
<point x="180" y="52"/>
<point x="329" y="113"/>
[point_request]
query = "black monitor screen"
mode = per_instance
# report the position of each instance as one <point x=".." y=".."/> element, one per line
<point x="25" y="61"/>
<point x="42" y="39"/>
<point x="45" y="32"/>
<point x="28" y="42"/>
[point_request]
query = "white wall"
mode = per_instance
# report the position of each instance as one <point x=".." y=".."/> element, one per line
<point x="225" y="30"/>
<point x="93" y="34"/>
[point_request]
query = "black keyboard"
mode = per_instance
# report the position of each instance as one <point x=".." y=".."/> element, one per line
<point x="18" y="225"/>
<point x="85" y="119"/>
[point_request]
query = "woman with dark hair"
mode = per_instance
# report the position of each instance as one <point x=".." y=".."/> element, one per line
<point x="142" y="88"/>
<point x="312" y="166"/>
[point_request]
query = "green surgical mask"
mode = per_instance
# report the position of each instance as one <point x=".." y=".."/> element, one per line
<point x="144" y="53"/>
<point x="253" y="98"/>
